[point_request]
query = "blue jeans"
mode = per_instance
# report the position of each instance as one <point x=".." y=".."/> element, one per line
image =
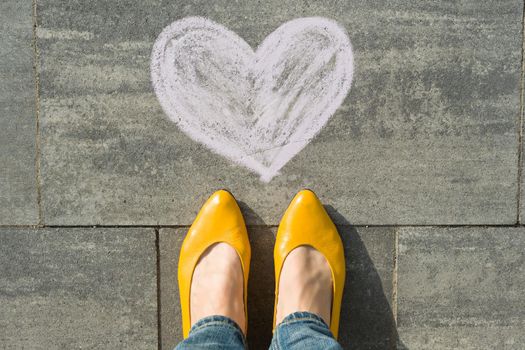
<point x="300" y="330"/>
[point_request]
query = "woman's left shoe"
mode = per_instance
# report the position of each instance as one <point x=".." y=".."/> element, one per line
<point x="219" y="221"/>
<point x="306" y="223"/>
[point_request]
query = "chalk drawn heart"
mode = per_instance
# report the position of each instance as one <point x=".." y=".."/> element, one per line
<point x="257" y="108"/>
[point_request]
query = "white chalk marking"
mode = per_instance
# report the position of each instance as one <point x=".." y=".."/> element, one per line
<point x="258" y="109"/>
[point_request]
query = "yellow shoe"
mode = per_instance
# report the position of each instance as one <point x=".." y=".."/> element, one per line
<point x="219" y="221"/>
<point x="306" y="223"/>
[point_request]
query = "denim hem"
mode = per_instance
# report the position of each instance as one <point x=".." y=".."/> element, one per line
<point x="215" y="320"/>
<point x="301" y="331"/>
<point x="218" y="321"/>
<point x="302" y="316"/>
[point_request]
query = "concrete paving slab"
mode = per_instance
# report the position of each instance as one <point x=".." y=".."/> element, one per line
<point x="78" y="288"/>
<point x="427" y="135"/>
<point x="18" y="191"/>
<point x="367" y="321"/>
<point x="461" y="288"/>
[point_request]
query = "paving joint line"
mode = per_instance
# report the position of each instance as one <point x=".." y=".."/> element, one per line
<point x="394" y="337"/>
<point x="273" y="226"/>
<point x="36" y="72"/>
<point x="520" y="118"/>
<point x="159" y="305"/>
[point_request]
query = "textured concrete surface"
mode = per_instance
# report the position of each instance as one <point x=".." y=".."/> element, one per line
<point x="78" y="288"/>
<point x="427" y="135"/>
<point x="461" y="288"/>
<point x="18" y="199"/>
<point x="367" y="321"/>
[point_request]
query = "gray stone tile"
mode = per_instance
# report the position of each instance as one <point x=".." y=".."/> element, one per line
<point x="78" y="288"/>
<point x="367" y="321"/>
<point x="427" y="135"/>
<point x="461" y="288"/>
<point x="18" y="199"/>
<point x="170" y="241"/>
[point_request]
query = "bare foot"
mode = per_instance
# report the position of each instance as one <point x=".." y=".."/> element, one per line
<point x="217" y="286"/>
<point x="305" y="284"/>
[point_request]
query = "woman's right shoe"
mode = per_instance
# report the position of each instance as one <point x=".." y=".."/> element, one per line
<point x="219" y="221"/>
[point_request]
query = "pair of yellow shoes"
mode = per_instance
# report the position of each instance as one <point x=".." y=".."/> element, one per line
<point x="305" y="223"/>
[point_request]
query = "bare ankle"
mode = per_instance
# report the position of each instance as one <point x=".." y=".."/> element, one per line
<point x="305" y="284"/>
<point x="217" y="286"/>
